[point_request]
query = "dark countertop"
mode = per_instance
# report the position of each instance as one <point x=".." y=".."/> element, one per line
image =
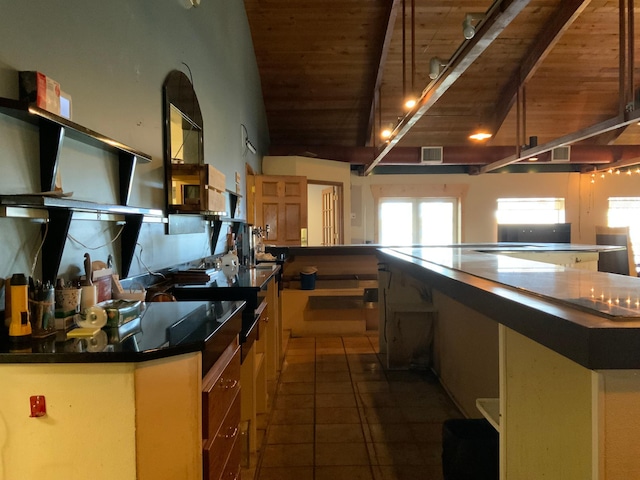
<point x="164" y="329"/>
<point x="559" y="307"/>
<point x="246" y="278"/>
<point x="248" y="285"/>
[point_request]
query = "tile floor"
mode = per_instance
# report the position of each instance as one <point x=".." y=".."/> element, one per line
<point x="338" y="414"/>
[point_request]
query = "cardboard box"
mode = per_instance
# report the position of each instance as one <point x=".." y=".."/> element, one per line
<point x="39" y="90"/>
<point x="216" y="179"/>
<point x="216" y="201"/>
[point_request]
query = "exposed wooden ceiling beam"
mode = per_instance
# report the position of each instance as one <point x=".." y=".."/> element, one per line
<point x="594" y="130"/>
<point x="366" y="131"/>
<point x="566" y="14"/>
<point x="456" y="155"/>
<point x="495" y="23"/>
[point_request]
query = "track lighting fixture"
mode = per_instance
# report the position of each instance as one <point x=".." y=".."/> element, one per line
<point x="468" y="28"/>
<point x="434" y="67"/>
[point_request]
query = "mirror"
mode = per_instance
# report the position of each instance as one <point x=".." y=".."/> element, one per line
<point x="183" y="122"/>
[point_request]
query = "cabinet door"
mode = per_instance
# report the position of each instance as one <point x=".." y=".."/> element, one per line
<point x="281" y="203"/>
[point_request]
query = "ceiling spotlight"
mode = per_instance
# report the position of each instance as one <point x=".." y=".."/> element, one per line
<point x="410" y="102"/>
<point x="386" y="132"/>
<point x="434" y="67"/>
<point x="468" y="28"/>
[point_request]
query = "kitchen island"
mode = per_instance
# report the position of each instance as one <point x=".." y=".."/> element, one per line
<point x="127" y="403"/>
<point x="549" y="353"/>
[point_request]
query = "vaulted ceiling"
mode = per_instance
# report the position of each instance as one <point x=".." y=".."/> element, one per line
<point x="538" y="74"/>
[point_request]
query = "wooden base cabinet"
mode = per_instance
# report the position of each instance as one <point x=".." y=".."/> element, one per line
<point x="221" y="417"/>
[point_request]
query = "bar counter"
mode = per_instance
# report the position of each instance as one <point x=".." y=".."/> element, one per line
<point x="550" y="354"/>
<point x="590" y="317"/>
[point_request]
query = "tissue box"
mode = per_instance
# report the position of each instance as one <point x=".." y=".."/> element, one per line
<point x="38" y="89"/>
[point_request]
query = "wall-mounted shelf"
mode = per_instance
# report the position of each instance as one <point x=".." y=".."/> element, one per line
<point x="60" y="212"/>
<point x="53" y="130"/>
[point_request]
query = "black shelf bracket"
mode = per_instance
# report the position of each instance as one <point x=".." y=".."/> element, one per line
<point x="51" y="138"/>
<point x="129" y="240"/>
<point x="55" y="236"/>
<point x="127" y="168"/>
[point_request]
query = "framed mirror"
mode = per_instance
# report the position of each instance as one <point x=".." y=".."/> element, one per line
<point x="183" y="129"/>
<point x="185" y="169"/>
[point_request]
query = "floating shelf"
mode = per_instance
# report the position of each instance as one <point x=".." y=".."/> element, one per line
<point x="53" y="130"/>
<point x="60" y="211"/>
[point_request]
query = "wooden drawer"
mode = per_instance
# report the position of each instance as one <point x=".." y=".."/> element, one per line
<point x="232" y="469"/>
<point x="220" y="386"/>
<point x="219" y="450"/>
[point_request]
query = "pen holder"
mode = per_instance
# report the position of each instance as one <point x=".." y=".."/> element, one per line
<point x="42" y="312"/>
<point x="68" y="300"/>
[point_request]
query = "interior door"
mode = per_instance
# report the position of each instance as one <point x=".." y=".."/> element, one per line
<point x="281" y="203"/>
<point x="329" y="216"/>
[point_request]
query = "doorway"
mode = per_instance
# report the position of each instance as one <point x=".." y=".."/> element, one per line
<point x="325" y="213"/>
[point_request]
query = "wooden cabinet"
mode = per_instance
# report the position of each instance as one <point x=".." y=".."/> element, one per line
<point x="221" y="416"/>
<point x="262" y="360"/>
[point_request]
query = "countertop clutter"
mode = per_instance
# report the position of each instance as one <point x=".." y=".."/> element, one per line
<point x="163" y="329"/>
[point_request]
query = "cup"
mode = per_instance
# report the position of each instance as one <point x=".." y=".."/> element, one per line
<point x="68" y="300"/>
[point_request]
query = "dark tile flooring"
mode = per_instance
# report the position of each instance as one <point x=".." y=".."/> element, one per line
<point x="338" y="414"/>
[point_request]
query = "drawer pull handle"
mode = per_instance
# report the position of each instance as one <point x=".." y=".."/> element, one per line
<point x="228" y="384"/>
<point x="230" y="435"/>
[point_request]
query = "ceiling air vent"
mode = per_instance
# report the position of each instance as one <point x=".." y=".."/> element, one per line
<point x="561" y="154"/>
<point x="431" y="155"/>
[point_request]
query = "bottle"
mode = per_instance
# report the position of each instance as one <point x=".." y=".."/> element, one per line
<point x="20" y="326"/>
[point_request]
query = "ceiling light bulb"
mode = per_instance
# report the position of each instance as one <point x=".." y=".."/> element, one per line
<point x="410" y="103"/>
<point x="480" y="136"/>
<point x="386" y="133"/>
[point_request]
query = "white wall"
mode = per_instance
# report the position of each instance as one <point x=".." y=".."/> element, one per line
<point x="585" y="203"/>
<point x="112" y="57"/>
<point x="314" y="215"/>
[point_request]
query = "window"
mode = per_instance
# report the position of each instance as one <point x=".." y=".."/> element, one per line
<point x="625" y="212"/>
<point x="530" y="210"/>
<point x="418" y="221"/>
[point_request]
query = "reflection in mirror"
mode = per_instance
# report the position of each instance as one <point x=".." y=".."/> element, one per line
<point x="183" y="121"/>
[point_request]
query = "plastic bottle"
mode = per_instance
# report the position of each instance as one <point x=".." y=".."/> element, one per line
<point x="20" y="326"/>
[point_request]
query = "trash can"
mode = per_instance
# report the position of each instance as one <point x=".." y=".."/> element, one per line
<point x="371" y="312"/>
<point x="308" y="278"/>
<point x="469" y="450"/>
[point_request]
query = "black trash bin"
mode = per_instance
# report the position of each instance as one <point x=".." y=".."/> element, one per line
<point x="469" y="450"/>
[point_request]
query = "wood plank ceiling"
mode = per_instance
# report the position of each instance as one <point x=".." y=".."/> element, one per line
<point x="539" y="74"/>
